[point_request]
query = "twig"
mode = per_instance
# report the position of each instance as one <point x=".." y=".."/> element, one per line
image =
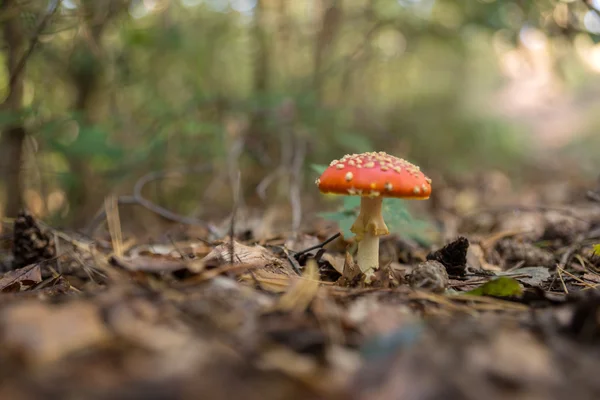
<point x="562" y="281"/>
<point x="575" y="277"/>
<point x="292" y="261"/>
<point x="163" y="212"/>
<point x="139" y="199"/>
<point x="236" y="197"/>
<point x="177" y="249"/>
<point x="564" y="260"/>
<point x="261" y="188"/>
<point x="34" y="40"/>
<point x="318" y="246"/>
<point x="296" y="177"/>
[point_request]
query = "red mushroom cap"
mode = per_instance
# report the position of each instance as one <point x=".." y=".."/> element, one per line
<point x="375" y="174"/>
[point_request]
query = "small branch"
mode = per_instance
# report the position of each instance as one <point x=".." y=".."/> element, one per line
<point x="163" y="212"/>
<point x="235" y="184"/>
<point x="318" y="246"/>
<point x="293" y="262"/>
<point x="296" y="178"/>
<point x="34" y="40"/>
<point x="138" y="199"/>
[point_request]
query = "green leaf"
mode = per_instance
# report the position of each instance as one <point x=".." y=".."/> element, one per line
<point x="597" y="249"/>
<point x="499" y="287"/>
<point x="354" y="141"/>
<point x="395" y="214"/>
<point x="318" y="168"/>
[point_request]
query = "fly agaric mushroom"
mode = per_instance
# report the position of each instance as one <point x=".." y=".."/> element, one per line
<point x="373" y="176"/>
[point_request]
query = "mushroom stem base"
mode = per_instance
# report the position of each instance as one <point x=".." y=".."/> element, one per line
<point x="367" y="257"/>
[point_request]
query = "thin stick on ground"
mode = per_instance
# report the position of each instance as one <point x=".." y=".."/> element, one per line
<point x="236" y="182"/>
<point x="318" y="246"/>
<point x="562" y="281"/>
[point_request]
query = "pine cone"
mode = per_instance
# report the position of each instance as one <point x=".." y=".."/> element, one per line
<point x="30" y="244"/>
<point x="453" y="256"/>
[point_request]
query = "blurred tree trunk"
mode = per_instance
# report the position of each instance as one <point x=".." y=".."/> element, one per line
<point x="330" y="26"/>
<point x="257" y="129"/>
<point x="256" y="138"/>
<point x="11" y="143"/>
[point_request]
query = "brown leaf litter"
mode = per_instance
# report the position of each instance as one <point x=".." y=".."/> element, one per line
<point x="262" y="318"/>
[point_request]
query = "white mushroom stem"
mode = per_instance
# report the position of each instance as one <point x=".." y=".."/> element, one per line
<point x="367" y="257"/>
<point x="369" y="225"/>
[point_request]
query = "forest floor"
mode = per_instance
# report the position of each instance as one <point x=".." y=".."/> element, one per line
<point x="262" y="318"/>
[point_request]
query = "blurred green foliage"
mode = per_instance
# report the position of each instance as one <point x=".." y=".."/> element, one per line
<point x="395" y="214"/>
<point x="123" y="87"/>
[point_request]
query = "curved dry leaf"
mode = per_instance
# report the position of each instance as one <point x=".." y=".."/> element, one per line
<point x="157" y="264"/>
<point x="533" y="276"/>
<point x="336" y="261"/>
<point x="302" y="291"/>
<point x="242" y="254"/>
<point x="13" y="281"/>
<point x="42" y="333"/>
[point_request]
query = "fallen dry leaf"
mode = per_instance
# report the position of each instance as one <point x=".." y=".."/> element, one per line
<point x="534" y="275"/>
<point x="157" y="264"/>
<point x="351" y="270"/>
<point x="476" y="259"/>
<point x="337" y="261"/>
<point x="242" y="255"/>
<point x="13" y="281"/>
<point x="173" y="250"/>
<point x="592" y="277"/>
<point x="302" y="291"/>
<point x="270" y="281"/>
<point x="40" y="333"/>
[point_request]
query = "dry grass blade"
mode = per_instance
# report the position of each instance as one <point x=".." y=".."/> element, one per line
<point x="223" y="269"/>
<point x="499" y="304"/>
<point x="477" y="303"/>
<point x="302" y="291"/>
<point x="559" y="272"/>
<point x="269" y="281"/>
<point x="584" y="283"/>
